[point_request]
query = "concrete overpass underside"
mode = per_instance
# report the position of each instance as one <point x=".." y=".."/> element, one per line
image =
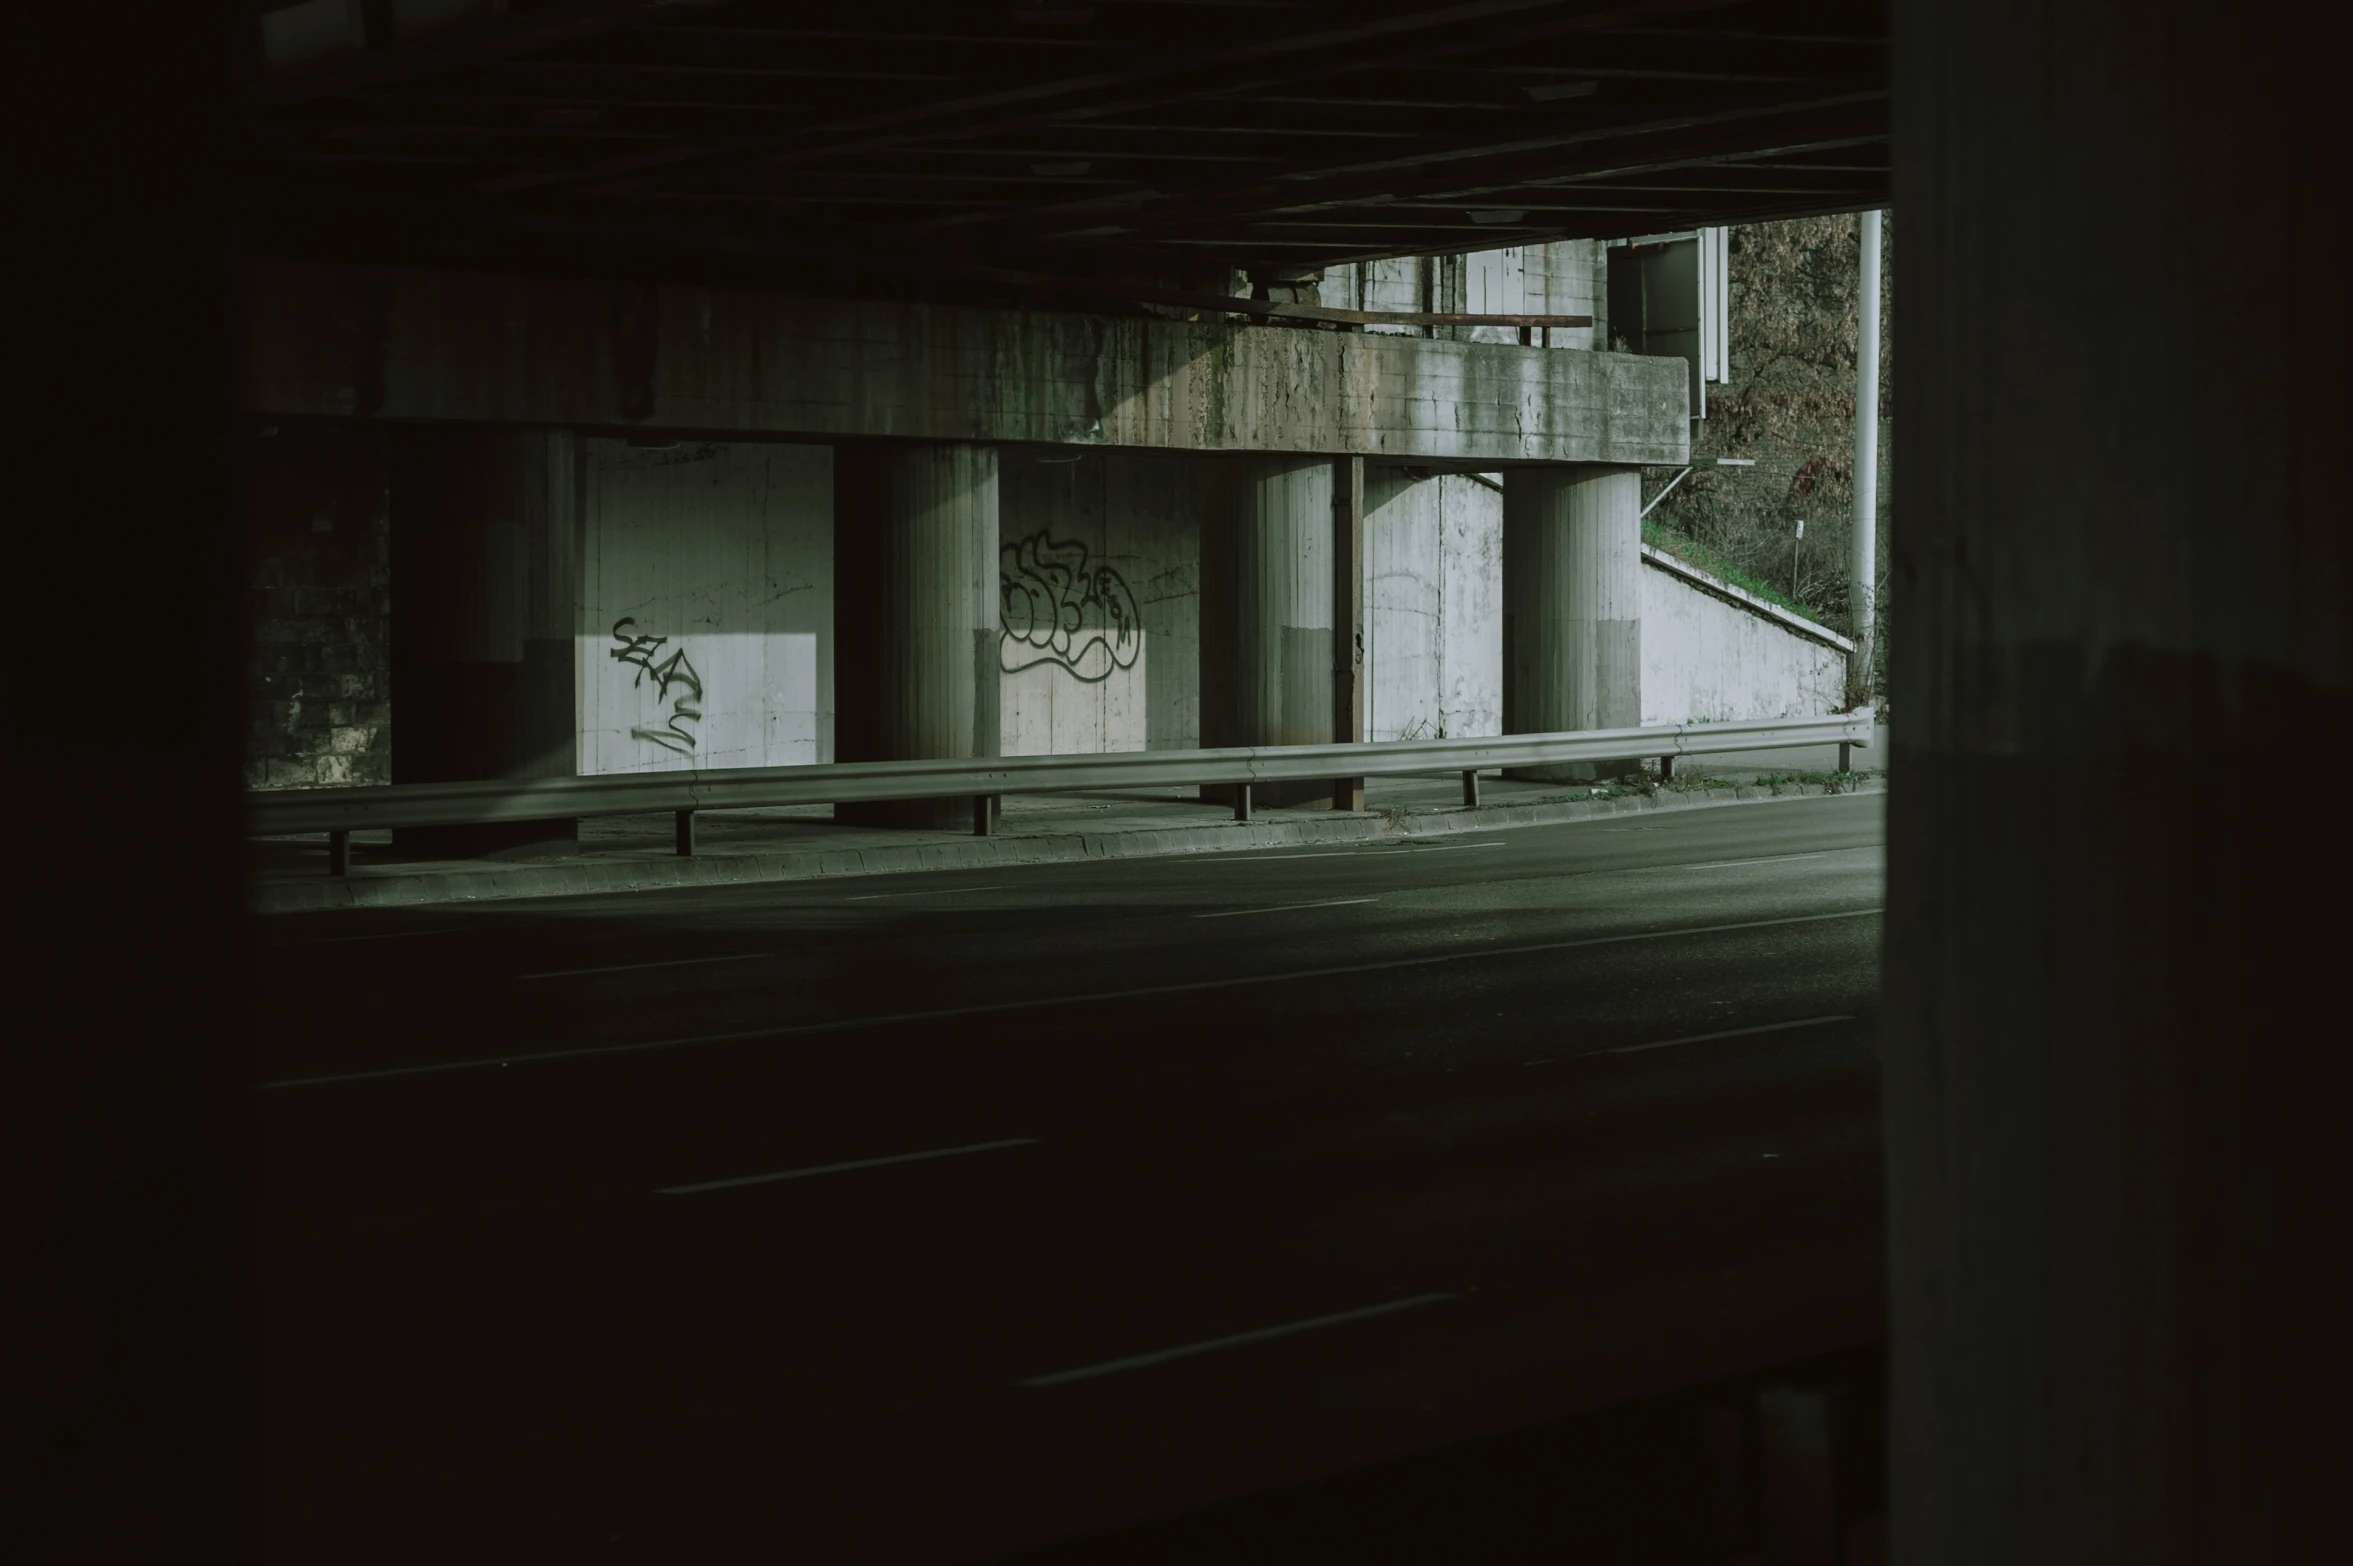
<point x="1075" y="155"/>
<point x="969" y="233"/>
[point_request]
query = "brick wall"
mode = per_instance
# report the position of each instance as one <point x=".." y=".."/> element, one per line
<point x="320" y="703"/>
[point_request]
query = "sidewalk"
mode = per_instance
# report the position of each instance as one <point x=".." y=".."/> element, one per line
<point x="630" y="853"/>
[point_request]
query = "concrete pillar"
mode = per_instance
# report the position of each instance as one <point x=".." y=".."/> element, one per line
<point x="1266" y="611"/>
<point x="2120" y="1183"/>
<point x="1572" y="605"/>
<point x="133" y="1224"/>
<point x="485" y="543"/>
<point x="915" y="614"/>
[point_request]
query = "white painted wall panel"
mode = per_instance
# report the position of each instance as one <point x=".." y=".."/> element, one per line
<point x="1470" y="700"/>
<point x="1495" y="283"/>
<point x="1433" y="606"/>
<point x="1703" y="658"/>
<point x="1152" y="536"/>
<point x="1100" y="571"/>
<point x="719" y="558"/>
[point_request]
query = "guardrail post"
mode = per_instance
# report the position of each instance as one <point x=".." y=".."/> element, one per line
<point x="1348" y="620"/>
<point x="1666" y="769"/>
<point x="984" y="815"/>
<point x="686" y="834"/>
<point x="1845" y="756"/>
<point x="1241" y="802"/>
<point x="338" y="853"/>
<point x="1470" y="786"/>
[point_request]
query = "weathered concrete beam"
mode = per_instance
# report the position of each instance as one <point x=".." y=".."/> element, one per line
<point x="475" y="348"/>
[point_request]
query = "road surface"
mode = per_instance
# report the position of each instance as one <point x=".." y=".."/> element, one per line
<point x="932" y="1218"/>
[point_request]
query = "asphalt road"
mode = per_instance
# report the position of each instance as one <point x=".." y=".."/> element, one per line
<point x="930" y="1218"/>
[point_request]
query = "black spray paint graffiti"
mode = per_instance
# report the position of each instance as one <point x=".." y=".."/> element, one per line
<point x="685" y="708"/>
<point x="1055" y="610"/>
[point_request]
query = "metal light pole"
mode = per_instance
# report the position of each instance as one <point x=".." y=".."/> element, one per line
<point x="1863" y="582"/>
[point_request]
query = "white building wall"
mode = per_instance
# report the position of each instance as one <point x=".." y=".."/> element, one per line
<point x="1565" y="277"/>
<point x="1376" y="285"/>
<point x="719" y="558"/>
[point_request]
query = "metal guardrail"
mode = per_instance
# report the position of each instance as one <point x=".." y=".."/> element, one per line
<point x="339" y="812"/>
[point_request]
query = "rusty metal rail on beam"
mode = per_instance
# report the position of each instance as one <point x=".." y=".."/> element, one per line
<point x="1267" y="310"/>
<point x="1298" y="312"/>
<point x="339" y="812"/>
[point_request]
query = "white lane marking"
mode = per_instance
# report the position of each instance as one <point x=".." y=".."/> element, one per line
<point x="1261" y="1335"/>
<point x="1774" y="859"/>
<point x="632" y="967"/>
<point x="1728" y="1033"/>
<point x="1039" y="1003"/>
<point x="856" y="1163"/>
<point x="1236" y="913"/>
<point x="1321" y="853"/>
<point x="381" y="935"/>
<point x="937" y="891"/>
<point x="1433" y="848"/>
<point x="1392" y="850"/>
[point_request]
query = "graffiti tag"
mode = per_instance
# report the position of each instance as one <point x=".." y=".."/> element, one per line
<point x="1054" y="609"/>
<point x="685" y="707"/>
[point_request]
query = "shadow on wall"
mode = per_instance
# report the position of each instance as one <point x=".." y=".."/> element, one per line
<point x="705" y="636"/>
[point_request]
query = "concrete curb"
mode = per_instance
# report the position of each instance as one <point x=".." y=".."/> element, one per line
<point x="394" y="888"/>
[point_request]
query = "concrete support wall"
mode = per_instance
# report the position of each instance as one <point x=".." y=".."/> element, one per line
<point x="485" y="532"/>
<point x="705" y="631"/>
<point x="1706" y="656"/>
<point x="1266" y="606"/>
<point x="1099" y="581"/>
<point x="916" y="594"/>
<point x="1572" y="599"/>
<point x="1434" y="595"/>
<point x="2120" y="1183"/>
<point x="319" y="700"/>
<point x="719" y="558"/>
<point x="1434" y="581"/>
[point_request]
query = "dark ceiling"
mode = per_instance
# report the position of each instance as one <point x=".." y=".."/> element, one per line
<point x="1039" y="145"/>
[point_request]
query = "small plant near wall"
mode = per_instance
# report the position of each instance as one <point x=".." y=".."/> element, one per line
<point x="1786" y="416"/>
<point x="1694" y="553"/>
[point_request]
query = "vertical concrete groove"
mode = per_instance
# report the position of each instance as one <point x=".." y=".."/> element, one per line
<point x="915" y="550"/>
<point x="1266" y="608"/>
<point x="484" y="533"/>
<point x="1572" y="587"/>
<point x="1267" y="603"/>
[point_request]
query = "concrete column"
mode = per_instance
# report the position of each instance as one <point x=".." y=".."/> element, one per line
<point x="1572" y="605"/>
<point x="485" y="543"/>
<point x="2120" y="1183"/>
<point x="915" y="614"/>
<point x="1266" y="611"/>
